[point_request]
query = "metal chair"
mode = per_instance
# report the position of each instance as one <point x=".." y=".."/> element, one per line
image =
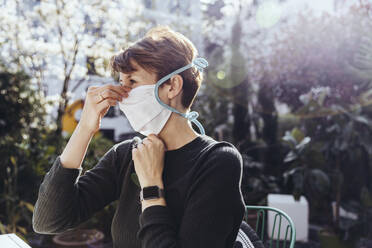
<point x="277" y="216"/>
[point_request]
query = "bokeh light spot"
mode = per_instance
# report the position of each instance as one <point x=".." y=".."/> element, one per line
<point x="221" y="75"/>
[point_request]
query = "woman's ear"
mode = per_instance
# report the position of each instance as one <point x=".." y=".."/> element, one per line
<point x="176" y="84"/>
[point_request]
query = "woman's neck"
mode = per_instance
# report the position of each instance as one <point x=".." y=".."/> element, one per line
<point x="177" y="132"/>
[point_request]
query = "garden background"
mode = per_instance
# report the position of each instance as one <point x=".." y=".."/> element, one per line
<point x="289" y="83"/>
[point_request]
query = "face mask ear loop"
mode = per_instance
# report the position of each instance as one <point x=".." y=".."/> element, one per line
<point x="192" y="116"/>
<point x="200" y="64"/>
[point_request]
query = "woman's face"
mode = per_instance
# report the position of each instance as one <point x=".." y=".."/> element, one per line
<point x="142" y="77"/>
<point x="137" y="78"/>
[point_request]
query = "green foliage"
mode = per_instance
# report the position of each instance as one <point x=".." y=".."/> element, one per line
<point x="27" y="150"/>
<point x="303" y="177"/>
<point x="297" y="143"/>
<point x="98" y="146"/>
<point x="343" y="133"/>
<point x="255" y="183"/>
<point x="22" y="122"/>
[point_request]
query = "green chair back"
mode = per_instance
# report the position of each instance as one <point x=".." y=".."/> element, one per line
<point x="280" y="219"/>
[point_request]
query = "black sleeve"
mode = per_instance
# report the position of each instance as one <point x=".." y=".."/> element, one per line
<point x="66" y="198"/>
<point x="213" y="212"/>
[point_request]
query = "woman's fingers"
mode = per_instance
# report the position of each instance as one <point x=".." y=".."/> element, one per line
<point x="98" y="101"/>
<point x="119" y="89"/>
<point x="107" y="96"/>
<point x="105" y="104"/>
<point x="108" y="93"/>
<point x="146" y="141"/>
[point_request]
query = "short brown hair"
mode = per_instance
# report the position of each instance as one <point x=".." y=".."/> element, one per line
<point x="163" y="51"/>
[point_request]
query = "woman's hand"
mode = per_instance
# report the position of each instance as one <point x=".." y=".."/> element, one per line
<point x="97" y="102"/>
<point x="148" y="160"/>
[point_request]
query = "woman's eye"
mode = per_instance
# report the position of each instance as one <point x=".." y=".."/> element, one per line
<point x="132" y="81"/>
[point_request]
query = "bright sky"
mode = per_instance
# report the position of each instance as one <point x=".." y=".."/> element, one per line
<point x="316" y="5"/>
<point x="270" y="11"/>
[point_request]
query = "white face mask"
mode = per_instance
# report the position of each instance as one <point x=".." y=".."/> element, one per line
<point x="143" y="111"/>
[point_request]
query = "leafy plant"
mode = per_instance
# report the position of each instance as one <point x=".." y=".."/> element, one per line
<point x="303" y="177"/>
<point x="18" y="212"/>
<point x="343" y="135"/>
<point x="255" y="183"/>
<point x="22" y="111"/>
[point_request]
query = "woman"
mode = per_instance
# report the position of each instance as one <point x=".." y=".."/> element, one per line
<point x="189" y="194"/>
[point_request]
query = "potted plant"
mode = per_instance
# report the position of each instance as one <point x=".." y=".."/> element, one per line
<point x="79" y="238"/>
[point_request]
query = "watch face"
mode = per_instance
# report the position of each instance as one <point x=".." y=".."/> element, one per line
<point x="152" y="191"/>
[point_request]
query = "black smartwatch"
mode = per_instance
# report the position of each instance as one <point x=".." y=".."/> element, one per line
<point x="151" y="192"/>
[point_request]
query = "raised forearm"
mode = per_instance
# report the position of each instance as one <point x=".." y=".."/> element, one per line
<point x="75" y="150"/>
<point x="97" y="102"/>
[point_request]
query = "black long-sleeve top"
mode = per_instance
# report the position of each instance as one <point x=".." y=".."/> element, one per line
<point x="202" y="183"/>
